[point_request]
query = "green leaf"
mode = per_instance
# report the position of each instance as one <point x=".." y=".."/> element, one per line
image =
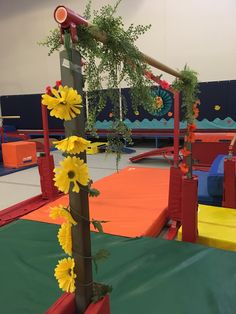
<point x="102" y="254"/>
<point x="97" y="224"/>
<point x="93" y="192"/>
<point x="99" y="291"/>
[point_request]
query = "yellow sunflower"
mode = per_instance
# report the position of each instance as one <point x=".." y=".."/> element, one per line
<point x="64" y="238"/>
<point x="65" y="104"/>
<point x="73" y="171"/>
<point x="64" y="273"/>
<point x="72" y="144"/>
<point x="61" y="211"/>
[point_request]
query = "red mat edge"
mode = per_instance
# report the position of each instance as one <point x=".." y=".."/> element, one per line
<point x="18" y="210"/>
<point x="65" y="304"/>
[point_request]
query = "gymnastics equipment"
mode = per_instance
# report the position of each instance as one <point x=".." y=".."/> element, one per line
<point x="211" y="183"/>
<point x="46" y="163"/>
<point x="165" y="152"/>
<point x="164" y="268"/>
<point x="19" y="154"/>
<point x="212" y="143"/>
<point x="141" y="216"/>
<point x="72" y="76"/>
<point x="229" y="197"/>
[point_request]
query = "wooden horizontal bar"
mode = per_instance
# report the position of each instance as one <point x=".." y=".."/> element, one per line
<point x="72" y="18"/>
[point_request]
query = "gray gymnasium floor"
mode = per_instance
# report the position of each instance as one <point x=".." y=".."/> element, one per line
<point x="18" y="186"/>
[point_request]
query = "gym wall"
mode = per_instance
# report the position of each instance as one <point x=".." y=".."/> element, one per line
<point x="197" y="32"/>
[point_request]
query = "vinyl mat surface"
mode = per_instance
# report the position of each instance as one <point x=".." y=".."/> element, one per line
<point x="148" y="275"/>
<point x="133" y="201"/>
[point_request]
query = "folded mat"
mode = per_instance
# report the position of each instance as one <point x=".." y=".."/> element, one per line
<point x="148" y="275"/>
<point x="216" y="227"/>
<point x="133" y="201"/>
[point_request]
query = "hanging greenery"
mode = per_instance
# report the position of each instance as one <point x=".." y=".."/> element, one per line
<point x="115" y="60"/>
<point x="107" y="65"/>
<point x="188" y="87"/>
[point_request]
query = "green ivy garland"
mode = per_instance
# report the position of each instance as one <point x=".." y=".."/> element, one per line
<point x="107" y="65"/>
<point x="117" y="60"/>
<point x="188" y="86"/>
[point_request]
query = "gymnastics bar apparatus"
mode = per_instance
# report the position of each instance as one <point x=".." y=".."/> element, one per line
<point x="71" y="75"/>
<point x="68" y="20"/>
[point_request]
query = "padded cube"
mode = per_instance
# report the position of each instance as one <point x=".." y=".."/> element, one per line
<point x="19" y="154"/>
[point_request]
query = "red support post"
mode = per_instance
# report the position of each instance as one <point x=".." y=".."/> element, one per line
<point x="189" y="209"/>
<point x="229" y="197"/>
<point x="175" y="192"/>
<point x="45" y="130"/>
<point x="1" y="134"/>
<point x="46" y="163"/>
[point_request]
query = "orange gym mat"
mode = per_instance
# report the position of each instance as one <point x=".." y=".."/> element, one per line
<point x="134" y="201"/>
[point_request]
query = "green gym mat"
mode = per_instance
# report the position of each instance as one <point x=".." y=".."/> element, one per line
<point x="149" y="276"/>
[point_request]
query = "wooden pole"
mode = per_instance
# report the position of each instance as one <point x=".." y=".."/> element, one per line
<point x="81" y="243"/>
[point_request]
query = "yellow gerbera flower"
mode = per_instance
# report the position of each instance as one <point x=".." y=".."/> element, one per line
<point x="64" y="238"/>
<point x="73" y="171"/>
<point x="72" y="144"/>
<point x="64" y="273"/>
<point x="61" y="211"/>
<point x="65" y="104"/>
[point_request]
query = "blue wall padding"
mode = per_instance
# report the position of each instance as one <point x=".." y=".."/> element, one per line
<point x="221" y="94"/>
<point x="9" y="128"/>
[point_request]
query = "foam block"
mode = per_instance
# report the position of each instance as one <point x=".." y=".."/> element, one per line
<point x="216" y="227"/>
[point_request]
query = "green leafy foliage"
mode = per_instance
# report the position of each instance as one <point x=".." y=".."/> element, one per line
<point x="188" y="86"/>
<point x="93" y="192"/>
<point x="100" y="255"/>
<point x="53" y="41"/>
<point x="99" y="291"/>
<point x="106" y="65"/>
<point x="97" y="224"/>
<point x="118" y="139"/>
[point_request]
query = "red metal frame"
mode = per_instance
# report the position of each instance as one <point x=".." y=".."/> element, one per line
<point x="45" y="130"/>
<point x="229" y="197"/>
<point x="189" y="209"/>
<point x="1" y="135"/>
<point x="46" y="163"/>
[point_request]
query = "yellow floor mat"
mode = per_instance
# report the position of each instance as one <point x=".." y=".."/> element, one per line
<point x="216" y="227"/>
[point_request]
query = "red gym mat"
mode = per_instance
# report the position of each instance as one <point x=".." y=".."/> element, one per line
<point x="134" y="201"/>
